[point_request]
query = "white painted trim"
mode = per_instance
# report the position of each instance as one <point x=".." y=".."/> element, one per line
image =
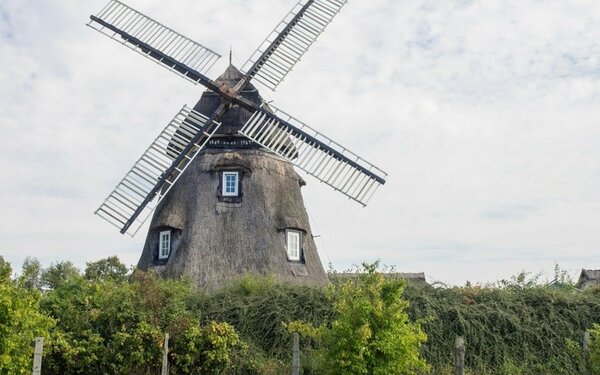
<point x="293" y="244"/>
<point x="236" y="191"/>
<point x="161" y="253"/>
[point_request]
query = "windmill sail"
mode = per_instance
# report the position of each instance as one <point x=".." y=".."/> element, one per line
<point x="314" y="153"/>
<point x="154" y="40"/>
<point x="292" y="37"/>
<point x="133" y="200"/>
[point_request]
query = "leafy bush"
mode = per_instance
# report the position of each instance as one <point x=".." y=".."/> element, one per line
<point x="594" y="349"/>
<point x="118" y="327"/>
<point x="108" y="322"/>
<point x="206" y="349"/>
<point x="371" y="332"/>
<point x="257" y="306"/>
<point x="517" y="327"/>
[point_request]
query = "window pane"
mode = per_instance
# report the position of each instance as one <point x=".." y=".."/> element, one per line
<point x="293" y="245"/>
<point x="230" y="183"/>
<point x="164" y="245"/>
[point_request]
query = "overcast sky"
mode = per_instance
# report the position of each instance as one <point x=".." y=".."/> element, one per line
<point x="485" y="114"/>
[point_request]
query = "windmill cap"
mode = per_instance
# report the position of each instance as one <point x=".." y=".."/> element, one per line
<point x="231" y="76"/>
<point x="236" y="116"/>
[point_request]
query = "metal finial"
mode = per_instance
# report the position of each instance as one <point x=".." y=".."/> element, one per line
<point x="230" y="53"/>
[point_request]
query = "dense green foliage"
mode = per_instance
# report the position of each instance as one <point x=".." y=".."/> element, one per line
<point x="594" y="349"/>
<point x="106" y="321"/>
<point x="516" y="327"/>
<point x="20" y="322"/>
<point x="109" y="322"/>
<point x="258" y="307"/>
<point x="108" y="269"/>
<point x="58" y="273"/>
<point x="116" y="327"/>
<point x="371" y="332"/>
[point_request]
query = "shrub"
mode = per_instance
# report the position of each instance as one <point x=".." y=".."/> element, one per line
<point x="206" y="349"/>
<point x="595" y="349"/>
<point x="519" y="326"/>
<point x="257" y="306"/>
<point x="371" y="332"/>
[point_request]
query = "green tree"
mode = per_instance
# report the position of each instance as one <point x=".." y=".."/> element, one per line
<point x="106" y="269"/>
<point x="5" y="270"/>
<point x="20" y="322"/>
<point x="371" y="333"/>
<point x="31" y="273"/>
<point x="58" y="273"/>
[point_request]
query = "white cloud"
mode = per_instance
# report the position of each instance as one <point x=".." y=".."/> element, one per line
<point x="485" y="115"/>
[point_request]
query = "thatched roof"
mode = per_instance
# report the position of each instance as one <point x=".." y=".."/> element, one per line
<point x="236" y="117"/>
<point x="216" y="239"/>
<point x="588" y="278"/>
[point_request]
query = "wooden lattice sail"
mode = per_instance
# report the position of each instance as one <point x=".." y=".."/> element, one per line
<point x="221" y="175"/>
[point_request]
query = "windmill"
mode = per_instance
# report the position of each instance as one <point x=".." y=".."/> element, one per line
<point x="219" y="177"/>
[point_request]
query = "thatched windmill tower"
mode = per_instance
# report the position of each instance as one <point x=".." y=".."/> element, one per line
<point x="221" y="175"/>
<point x="215" y="236"/>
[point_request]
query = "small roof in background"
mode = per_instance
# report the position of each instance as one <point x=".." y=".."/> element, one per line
<point x="588" y="278"/>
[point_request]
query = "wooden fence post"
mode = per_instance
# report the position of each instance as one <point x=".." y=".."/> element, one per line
<point x="37" y="356"/>
<point x="459" y="355"/>
<point x="165" y="365"/>
<point x="296" y="354"/>
<point x="586" y="353"/>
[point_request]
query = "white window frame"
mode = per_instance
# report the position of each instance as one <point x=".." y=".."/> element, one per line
<point x="224" y="191"/>
<point x="293" y="237"/>
<point x="162" y="253"/>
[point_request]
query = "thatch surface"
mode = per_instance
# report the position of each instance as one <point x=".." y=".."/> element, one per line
<point x="588" y="278"/>
<point x="223" y="239"/>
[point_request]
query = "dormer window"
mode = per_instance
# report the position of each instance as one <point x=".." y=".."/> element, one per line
<point x="164" y="244"/>
<point x="294" y="245"/>
<point x="231" y="181"/>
